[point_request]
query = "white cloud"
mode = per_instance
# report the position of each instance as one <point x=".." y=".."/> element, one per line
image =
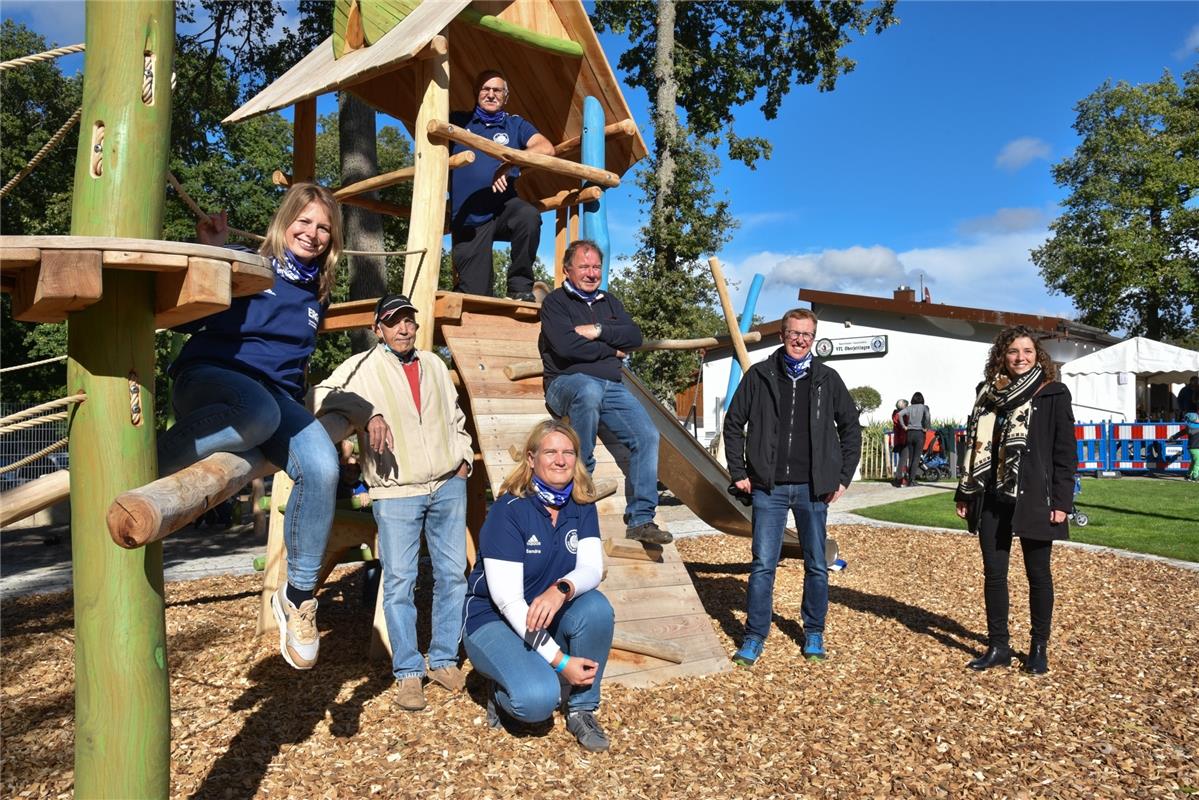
<point x="758" y="219"/>
<point x="1005" y="220"/>
<point x="1189" y="45"/>
<point x="1018" y="153"/>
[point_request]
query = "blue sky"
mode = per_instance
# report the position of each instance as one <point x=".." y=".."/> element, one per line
<point x="930" y="160"/>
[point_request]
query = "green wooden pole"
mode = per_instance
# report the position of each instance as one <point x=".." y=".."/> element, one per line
<point x="122" y="694"/>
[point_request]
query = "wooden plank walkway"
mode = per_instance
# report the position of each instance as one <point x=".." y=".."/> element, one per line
<point x="652" y="598"/>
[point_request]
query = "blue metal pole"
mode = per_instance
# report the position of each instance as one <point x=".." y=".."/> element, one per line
<point x="747" y="321"/>
<point x="594" y="224"/>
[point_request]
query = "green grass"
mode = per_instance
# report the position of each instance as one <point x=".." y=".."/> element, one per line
<point x="1145" y="515"/>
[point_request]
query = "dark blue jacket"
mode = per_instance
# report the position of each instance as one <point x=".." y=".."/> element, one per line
<point x="268" y="336"/>
<point x="564" y="352"/>
<point x="472" y="202"/>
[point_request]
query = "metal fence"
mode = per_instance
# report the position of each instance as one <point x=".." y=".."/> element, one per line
<point x="18" y="444"/>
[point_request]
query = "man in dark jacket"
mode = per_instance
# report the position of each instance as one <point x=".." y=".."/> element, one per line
<point x="585" y="333"/>
<point x="804" y="443"/>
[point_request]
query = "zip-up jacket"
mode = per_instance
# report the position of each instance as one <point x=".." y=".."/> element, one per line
<point x="832" y="427"/>
<point x="563" y="351"/>
<point x="430" y="444"/>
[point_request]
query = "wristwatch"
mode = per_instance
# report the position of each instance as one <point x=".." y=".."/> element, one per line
<point x="599" y="328"/>
<point x="563" y="587"/>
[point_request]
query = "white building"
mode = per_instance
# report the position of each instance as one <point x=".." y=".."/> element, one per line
<point x="899" y="346"/>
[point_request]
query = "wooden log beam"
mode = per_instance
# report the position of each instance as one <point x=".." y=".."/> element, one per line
<point x="426" y="228"/>
<point x="521" y="34"/>
<point x="386" y="179"/>
<point x="568" y="147"/>
<point x="443" y="131"/>
<point x="31" y="497"/>
<point x="657" y="648"/>
<point x="518" y="370"/>
<point x="380" y="206"/>
<point x="569" y="197"/>
<point x="154" y="511"/>
<point x="730" y="316"/>
<point x="304" y="140"/>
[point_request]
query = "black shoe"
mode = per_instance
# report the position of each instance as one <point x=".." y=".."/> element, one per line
<point x="649" y="533"/>
<point x="525" y="296"/>
<point x="994" y="657"/>
<point x="1037" y="662"/>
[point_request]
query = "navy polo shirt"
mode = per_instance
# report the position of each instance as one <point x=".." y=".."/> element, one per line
<point x="472" y="202"/>
<point x="518" y="529"/>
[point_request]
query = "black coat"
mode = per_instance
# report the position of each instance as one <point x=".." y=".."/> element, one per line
<point x="833" y="428"/>
<point x="1046" y="468"/>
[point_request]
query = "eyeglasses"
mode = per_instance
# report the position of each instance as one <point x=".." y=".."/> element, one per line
<point x="499" y="92"/>
<point x="794" y="336"/>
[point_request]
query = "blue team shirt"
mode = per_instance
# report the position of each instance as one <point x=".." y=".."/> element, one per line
<point x="518" y="529"/>
<point x="471" y="200"/>
<point x="268" y="336"/>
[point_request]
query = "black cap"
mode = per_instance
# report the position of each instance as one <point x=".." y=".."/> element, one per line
<point x="389" y="305"/>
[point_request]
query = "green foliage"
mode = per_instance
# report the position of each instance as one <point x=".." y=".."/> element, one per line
<point x="866" y="398"/>
<point x="1125" y="248"/>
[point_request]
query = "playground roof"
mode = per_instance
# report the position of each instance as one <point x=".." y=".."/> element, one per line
<point x="547" y="85"/>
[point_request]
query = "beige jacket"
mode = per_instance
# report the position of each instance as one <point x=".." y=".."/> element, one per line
<point x="429" y="445"/>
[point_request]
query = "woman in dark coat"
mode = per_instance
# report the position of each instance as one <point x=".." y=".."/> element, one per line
<point x="1018" y="481"/>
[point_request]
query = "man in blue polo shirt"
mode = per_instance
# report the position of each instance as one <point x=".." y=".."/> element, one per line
<point x="484" y="207"/>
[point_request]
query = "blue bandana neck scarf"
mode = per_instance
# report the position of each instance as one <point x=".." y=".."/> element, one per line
<point x="797" y="368"/>
<point x="293" y="270"/>
<point x="550" y="496"/>
<point x="490" y="119"/>
<point x="587" y="297"/>
<point x="405" y="358"/>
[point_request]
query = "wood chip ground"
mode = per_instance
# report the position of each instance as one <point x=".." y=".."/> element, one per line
<point x="892" y="713"/>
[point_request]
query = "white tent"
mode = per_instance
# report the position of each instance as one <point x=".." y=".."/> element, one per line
<point x="1104" y="383"/>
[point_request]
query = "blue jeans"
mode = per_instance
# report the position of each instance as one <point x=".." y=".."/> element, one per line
<point x="590" y="401"/>
<point x="442" y="515"/>
<point x="770" y="518"/>
<point x="222" y="410"/>
<point x="526" y="685"/>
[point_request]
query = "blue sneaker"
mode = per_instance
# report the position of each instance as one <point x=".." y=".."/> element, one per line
<point x="813" y="647"/>
<point x="751" y="650"/>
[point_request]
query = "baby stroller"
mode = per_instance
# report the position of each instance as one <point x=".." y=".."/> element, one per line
<point x="1079" y="518"/>
<point x="933" y="464"/>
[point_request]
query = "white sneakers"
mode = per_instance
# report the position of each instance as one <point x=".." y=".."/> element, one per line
<point x="299" y="640"/>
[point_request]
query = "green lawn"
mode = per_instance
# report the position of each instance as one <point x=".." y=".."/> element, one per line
<point x="1147" y="515"/>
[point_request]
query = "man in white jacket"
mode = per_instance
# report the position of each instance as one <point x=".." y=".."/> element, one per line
<point x="416" y="458"/>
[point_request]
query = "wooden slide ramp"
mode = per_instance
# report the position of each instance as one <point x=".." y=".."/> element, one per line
<point x="649" y="587"/>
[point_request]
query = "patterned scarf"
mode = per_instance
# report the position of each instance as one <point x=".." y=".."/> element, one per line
<point x="293" y="270"/>
<point x="998" y="432"/>
<point x="550" y="496"/>
<point x="797" y="368"/>
<point x="587" y="297"/>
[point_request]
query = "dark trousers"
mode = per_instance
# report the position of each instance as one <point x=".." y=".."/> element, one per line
<point x="909" y="459"/>
<point x="995" y="540"/>
<point x="518" y="223"/>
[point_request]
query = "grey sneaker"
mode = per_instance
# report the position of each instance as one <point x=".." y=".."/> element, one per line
<point x="299" y="640"/>
<point x="587" y="730"/>
<point x="649" y="533"/>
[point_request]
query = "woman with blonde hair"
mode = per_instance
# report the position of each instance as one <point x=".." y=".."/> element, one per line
<point x="534" y="618"/>
<point x="239" y="384"/>
<point x="1018" y="481"/>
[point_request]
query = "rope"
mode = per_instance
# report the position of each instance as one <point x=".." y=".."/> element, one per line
<point x="385" y="252"/>
<point x="46" y="56"/>
<point x="32" y="364"/>
<point x="148" y="80"/>
<point x="45" y="451"/>
<point x="47" y="148"/>
<point x="33" y="423"/>
<point x="30" y="412"/>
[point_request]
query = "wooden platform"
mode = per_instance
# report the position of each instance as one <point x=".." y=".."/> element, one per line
<point x="652" y="598"/>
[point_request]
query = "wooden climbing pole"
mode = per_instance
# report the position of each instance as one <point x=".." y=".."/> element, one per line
<point x="122" y="695"/>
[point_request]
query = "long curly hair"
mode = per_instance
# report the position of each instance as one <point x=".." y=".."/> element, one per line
<point x="520" y="480"/>
<point x="295" y="201"/>
<point x="995" y="359"/>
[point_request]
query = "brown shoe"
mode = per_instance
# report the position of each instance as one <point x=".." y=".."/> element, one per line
<point x="649" y="533"/>
<point x="410" y="696"/>
<point x="450" y="677"/>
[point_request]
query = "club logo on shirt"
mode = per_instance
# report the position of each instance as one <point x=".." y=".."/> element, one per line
<point x="572" y="540"/>
<point x="314" y="319"/>
<point x="500" y="138"/>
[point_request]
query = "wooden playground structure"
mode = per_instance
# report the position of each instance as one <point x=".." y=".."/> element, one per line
<point x="115" y="283"/>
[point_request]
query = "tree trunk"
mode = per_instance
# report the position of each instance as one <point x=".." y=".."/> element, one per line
<point x="665" y="131"/>
<point x="363" y="228"/>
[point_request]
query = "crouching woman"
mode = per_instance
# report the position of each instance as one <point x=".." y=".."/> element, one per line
<point x="533" y="615"/>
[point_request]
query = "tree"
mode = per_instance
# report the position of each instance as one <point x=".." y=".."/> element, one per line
<point x="1126" y="249"/>
<point x="866" y="398"/>
<point x="706" y="60"/>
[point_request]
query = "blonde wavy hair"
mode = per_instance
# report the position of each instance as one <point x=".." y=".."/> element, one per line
<point x="294" y="202"/>
<point x="519" y="482"/>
